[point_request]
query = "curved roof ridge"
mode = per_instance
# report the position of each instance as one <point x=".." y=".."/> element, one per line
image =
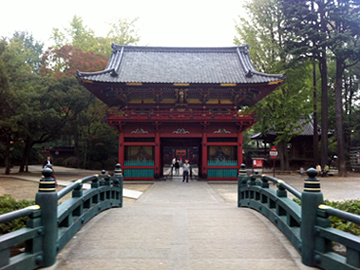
<point x="282" y="75"/>
<point x="128" y="48"/>
<point x="80" y="73"/>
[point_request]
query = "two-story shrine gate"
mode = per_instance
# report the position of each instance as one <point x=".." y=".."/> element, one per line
<point x="187" y="102"/>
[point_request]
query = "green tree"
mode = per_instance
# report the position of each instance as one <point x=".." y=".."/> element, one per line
<point x="344" y="33"/>
<point x="122" y="32"/>
<point x="32" y="49"/>
<point x="78" y="35"/>
<point x="316" y="27"/>
<point x="306" y="23"/>
<point x="13" y="69"/>
<point x="282" y="109"/>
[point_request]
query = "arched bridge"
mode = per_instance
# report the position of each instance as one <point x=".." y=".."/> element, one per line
<point x="177" y="225"/>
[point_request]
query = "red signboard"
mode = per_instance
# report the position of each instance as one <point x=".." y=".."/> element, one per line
<point x="180" y="153"/>
<point x="273" y="153"/>
<point x="257" y="163"/>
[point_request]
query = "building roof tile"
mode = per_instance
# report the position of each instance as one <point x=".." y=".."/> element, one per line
<point x="205" y="65"/>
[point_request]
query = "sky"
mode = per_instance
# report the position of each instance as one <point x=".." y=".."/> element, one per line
<point x="182" y="23"/>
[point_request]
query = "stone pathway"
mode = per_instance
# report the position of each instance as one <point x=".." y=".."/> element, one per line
<point x="176" y="225"/>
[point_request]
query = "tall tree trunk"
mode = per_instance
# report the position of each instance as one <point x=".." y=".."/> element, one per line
<point x="8" y="154"/>
<point x="324" y="109"/>
<point x="25" y="159"/>
<point x="324" y="86"/>
<point x="339" y="118"/>
<point x="283" y="156"/>
<point x="315" y="120"/>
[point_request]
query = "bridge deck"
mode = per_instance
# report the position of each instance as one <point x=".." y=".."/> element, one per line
<point x="176" y="225"/>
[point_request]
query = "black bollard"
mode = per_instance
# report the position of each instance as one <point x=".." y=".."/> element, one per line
<point x="47" y="199"/>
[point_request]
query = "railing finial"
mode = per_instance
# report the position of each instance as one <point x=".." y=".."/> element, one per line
<point x="118" y="170"/>
<point x="312" y="184"/>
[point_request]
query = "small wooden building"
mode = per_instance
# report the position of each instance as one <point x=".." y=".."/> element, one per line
<point x="184" y="102"/>
<point x="300" y="147"/>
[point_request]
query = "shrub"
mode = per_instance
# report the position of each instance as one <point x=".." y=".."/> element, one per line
<point x="59" y="161"/>
<point x="9" y="204"/>
<point x="96" y="166"/>
<point x="71" y="162"/>
<point x="350" y="206"/>
<point x="110" y="164"/>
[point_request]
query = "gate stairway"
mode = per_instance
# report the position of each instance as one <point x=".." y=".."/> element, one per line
<point x="176" y="225"/>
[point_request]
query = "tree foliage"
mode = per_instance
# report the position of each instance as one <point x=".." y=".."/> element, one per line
<point x="280" y="111"/>
<point x="78" y="35"/>
<point x="41" y="102"/>
<point x="320" y="29"/>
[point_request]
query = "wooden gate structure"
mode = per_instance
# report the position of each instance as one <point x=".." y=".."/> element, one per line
<point x="182" y="102"/>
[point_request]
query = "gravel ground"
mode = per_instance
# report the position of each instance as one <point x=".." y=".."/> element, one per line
<point x="26" y="190"/>
<point x="333" y="188"/>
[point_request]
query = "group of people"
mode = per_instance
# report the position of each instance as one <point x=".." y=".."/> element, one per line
<point x="186" y="168"/>
<point x="324" y="172"/>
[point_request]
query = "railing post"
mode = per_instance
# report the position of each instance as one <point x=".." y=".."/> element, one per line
<point x="118" y="176"/>
<point x="47" y="199"/>
<point x="241" y="177"/>
<point x="102" y="178"/>
<point x="95" y="183"/>
<point x="311" y="198"/>
<point x="281" y="191"/>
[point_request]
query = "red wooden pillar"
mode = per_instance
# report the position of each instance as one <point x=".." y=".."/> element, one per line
<point x="121" y="149"/>
<point x="204" y="154"/>
<point x="157" y="155"/>
<point x="240" y="149"/>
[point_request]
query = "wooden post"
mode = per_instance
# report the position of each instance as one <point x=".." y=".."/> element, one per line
<point x="157" y="155"/>
<point x="240" y="149"/>
<point x="121" y="148"/>
<point x="204" y="155"/>
<point x="273" y="167"/>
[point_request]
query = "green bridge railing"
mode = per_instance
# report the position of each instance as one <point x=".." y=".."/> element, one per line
<point x="308" y="226"/>
<point x="49" y="225"/>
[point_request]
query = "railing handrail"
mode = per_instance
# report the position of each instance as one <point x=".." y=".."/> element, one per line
<point x="75" y="185"/>
<point x="178" y="114"/>
<point x="330" y="211"/>
<point x="279" y="182"/>
<point x="24" y="212"/>
<point x="68" y="189"/>
<point x="291" y="189"/>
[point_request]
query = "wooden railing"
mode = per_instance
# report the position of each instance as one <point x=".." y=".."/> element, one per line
<point x="180" y="115"/>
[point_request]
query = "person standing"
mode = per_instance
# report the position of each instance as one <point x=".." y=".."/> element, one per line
<point x="177" y="166"/>
<point x="48" y="161"/>
<point x="173" y="165"/>
<point x="186" y="171"/>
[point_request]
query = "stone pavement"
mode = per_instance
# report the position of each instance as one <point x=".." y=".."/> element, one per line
<point x="176" y="225"/>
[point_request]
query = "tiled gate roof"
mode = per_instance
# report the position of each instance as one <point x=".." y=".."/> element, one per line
<point x="132" y="64"/>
